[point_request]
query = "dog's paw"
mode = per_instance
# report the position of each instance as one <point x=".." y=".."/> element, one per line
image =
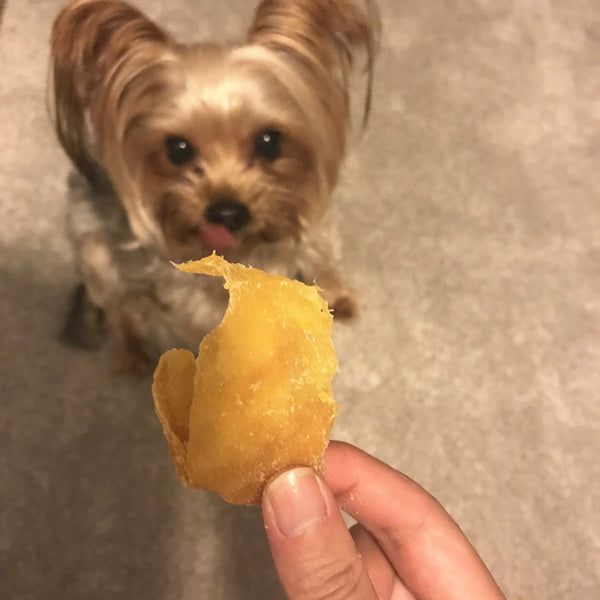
<point x="85" y="325"/>
<point x="343" y="304"/>
<point x="345" y="308"/>
<point x="128" y="363"/>
<point x="134" y="354"/>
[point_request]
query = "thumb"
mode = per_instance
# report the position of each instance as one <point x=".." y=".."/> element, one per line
<point x="313" y="550"/>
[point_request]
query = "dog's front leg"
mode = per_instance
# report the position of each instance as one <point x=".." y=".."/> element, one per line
<point x="319" y="264"/>
<point x="105" y="301"/>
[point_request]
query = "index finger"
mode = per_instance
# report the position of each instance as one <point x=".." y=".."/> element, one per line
<point x="430" y="553"/>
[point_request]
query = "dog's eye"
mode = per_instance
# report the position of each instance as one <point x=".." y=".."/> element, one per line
<point x="267" y="144"/>
<point x="179" y="150"/>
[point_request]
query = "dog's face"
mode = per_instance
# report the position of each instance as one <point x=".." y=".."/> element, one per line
<point x="220" y="154"/>
<point x="209" y="147"/>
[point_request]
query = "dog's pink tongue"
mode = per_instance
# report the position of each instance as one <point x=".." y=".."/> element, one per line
<point x="218" y="237"/>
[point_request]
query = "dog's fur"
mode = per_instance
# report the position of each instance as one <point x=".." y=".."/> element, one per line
<point x="189" y="149"/>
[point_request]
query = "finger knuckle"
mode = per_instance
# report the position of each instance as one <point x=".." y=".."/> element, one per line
<point x="339" y="580"/>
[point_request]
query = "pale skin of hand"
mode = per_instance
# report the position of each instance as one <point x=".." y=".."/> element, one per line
<point x="405" y="546"/>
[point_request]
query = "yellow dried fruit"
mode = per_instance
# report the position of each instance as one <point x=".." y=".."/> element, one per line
<point x="257" y="400"/>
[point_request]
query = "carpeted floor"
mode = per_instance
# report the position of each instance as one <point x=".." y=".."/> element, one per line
<point x="471" y="220"/>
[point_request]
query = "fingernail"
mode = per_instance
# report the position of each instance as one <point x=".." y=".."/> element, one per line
<point x="296" y="500"/>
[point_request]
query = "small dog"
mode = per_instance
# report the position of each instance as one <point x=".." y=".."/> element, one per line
<point x="183" y="150"/>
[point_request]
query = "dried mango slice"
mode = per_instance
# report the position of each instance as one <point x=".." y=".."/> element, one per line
<point x="258" y="399"/>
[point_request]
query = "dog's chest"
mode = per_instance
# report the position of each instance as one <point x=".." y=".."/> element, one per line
<point x="173" y="308"/>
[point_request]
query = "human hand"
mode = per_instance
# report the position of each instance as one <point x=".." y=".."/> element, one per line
<point x="405" y="546"/>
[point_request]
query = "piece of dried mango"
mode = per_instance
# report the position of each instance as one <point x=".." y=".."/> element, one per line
<point x="258" y="399"/>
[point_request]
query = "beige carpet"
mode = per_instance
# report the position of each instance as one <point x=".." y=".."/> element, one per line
<point x="471" y="218"/>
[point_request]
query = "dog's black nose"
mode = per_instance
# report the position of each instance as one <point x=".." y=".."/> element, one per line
<point x="233" y="215"/>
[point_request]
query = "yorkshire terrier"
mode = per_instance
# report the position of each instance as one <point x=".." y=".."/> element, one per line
<point x="185" y="150"/>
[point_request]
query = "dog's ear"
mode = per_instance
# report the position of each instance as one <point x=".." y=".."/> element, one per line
<point x="93" y="43"/>
<point x="322" y="37"/>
